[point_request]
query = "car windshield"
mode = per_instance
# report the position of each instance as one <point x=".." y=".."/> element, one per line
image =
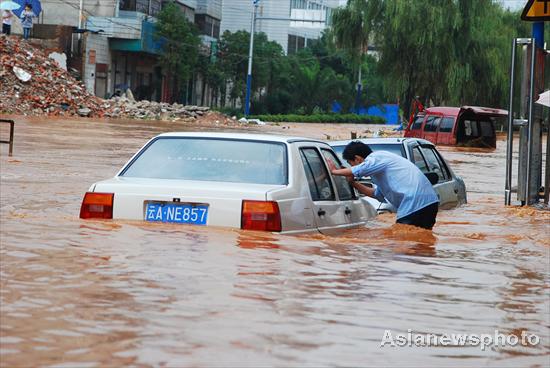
<point x="393" y="148"/>
<point x="207" y="159"/>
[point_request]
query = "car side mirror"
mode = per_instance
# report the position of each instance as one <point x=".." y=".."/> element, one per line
<point x="432" y="177"/>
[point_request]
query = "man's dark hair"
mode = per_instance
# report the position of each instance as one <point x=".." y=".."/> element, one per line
<point x="356" y="148"/>
<point x="28" y="5"/>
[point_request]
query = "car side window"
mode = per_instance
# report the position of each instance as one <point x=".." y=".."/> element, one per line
<point x="429" y="122"/>
<point x="418" y="122"/>
<point x="434" y="163"/>
<point x="486" y="129"/>
<point x="446" y="125"/>
<point x="419" y="160"/>
<point x="317" y="175"/>
<point x="470" y="128"/>
<point x="343" y="187"/>
<point x="432" y="124"/>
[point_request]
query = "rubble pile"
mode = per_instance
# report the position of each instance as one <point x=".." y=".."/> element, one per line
<point x="124" y="107"/>
<point x="33" y="84"/>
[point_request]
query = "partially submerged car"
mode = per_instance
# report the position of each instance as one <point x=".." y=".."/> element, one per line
<point x="247" y="181"/>
<point x="471" y="126"/>
<point x="449" y="187"/>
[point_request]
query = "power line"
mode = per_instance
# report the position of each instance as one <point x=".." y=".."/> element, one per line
<point x="262" y="60"/>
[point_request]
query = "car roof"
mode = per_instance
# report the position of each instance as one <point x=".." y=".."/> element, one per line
<point x="389" y="140"/>
<point x="444" y="110"/>
<point x="455" y="111"/>
<point x="241" y="136"/>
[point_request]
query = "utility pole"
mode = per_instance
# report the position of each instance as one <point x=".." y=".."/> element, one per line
<point x="251" y="48"/>
<point x="359" y="89"/>
<point x="80" y="10"/>
<point x="250" y="52"/>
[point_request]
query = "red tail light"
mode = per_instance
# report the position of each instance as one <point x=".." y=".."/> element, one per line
<point x="97" y="205"/>
<point x="260" y="215"/>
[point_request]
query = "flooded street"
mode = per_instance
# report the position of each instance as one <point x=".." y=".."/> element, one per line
<point x="77" y="293"/>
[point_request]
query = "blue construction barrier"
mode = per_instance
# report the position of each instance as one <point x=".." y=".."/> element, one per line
<point x="389" y="112"/>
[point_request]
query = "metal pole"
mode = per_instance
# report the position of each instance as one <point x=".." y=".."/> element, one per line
<point x="250" y="51"/>
<point x="547" y="170"/>
<point x="359" y="90"/>
<point x="80" y="14"/>
<point x="510" y="146"/>
<point x="531" y="124"/>
<point x="12" y="128"/>
<point x="537" y="30"/>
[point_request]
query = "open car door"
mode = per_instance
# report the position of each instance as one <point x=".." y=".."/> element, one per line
<point x="475" y="126"/>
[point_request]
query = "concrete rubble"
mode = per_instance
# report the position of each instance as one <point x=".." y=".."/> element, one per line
<point x="31" y="83"/>
<point x="124" y="107"/>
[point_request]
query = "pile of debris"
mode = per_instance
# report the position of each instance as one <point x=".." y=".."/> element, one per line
<point x="33" y="84"/>
<point x="127" y="107"/>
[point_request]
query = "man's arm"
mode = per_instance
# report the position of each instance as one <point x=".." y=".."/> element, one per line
<point x="363" y="189"/>
<point x="341" y="172"/>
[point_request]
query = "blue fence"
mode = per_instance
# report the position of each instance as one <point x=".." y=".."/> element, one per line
<point x="389" y="112"/>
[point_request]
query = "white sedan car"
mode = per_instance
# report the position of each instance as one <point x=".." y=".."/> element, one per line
<point x="247" y="181"/>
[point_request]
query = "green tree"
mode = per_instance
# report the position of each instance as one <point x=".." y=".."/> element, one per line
<point x="268" y="56"/>
<point x="314" y="86"/>
<point x="180" y="46"/>
<point x="233" y="62"/>
<point x="446" y="51"/>
<point x="351" y="28"/>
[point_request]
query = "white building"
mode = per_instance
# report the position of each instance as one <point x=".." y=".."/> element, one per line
<point x="291" y="23"/>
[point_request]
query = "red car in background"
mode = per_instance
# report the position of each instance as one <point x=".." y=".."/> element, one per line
<point x="471" y="126"/>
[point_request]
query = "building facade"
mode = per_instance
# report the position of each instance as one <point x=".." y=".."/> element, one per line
<point x="113" y="47"/>
<point x="120" y="51"/>
<point x="290" y="23"/>
<point x="132" y="60"/>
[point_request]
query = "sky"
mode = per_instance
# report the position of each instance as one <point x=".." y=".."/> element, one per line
<point x="513" y="4"/>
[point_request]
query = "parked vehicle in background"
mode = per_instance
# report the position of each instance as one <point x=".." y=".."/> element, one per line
<point x="467" y="126"/>
<point x="247" y="181"/>
<point x="449" y="187"/>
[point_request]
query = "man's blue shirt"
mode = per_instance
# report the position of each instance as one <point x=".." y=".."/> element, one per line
<point x="398" y="180"/>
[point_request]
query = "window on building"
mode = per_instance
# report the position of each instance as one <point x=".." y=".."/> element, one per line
<point x="150" y="7"/>
<point x="295" y="44"/>
<point x="298" y="4"/>
<point x="207" y="25"/>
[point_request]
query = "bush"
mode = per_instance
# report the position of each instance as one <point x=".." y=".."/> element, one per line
<point x="321" y="118"/>
<point x="230" y="111"/>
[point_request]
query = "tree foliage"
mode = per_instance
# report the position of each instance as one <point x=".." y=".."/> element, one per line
<point x="352" y="26"/>
<point x="450" y="52"/>
<point x="180" y="43"/>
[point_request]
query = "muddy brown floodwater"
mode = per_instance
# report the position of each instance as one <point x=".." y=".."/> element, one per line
<point x="111" y="293"/>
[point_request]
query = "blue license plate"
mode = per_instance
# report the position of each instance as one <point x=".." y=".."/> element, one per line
<point x="183" y="213"/>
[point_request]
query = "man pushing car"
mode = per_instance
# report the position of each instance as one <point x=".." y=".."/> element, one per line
<point x="397" y="180"/>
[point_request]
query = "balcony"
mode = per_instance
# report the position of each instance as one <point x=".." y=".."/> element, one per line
<point x="147" y="7"/>
<point x="127" y="34"/>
